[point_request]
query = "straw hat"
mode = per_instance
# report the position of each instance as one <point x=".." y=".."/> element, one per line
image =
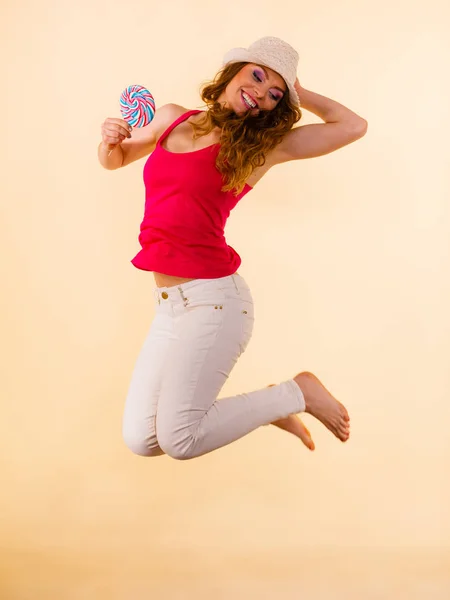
<point x="274" y="53"/>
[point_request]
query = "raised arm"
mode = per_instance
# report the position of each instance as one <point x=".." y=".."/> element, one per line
<point x="342" y="127"/>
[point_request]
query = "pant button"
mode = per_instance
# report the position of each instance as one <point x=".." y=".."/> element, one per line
<point x="165" y="295"/>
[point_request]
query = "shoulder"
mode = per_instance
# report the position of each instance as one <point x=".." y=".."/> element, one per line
<point x="165" y="116"/>
<point x="170" y="111"/>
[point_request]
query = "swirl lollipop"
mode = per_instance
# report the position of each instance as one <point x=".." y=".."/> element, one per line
<point x="137" y="106"/>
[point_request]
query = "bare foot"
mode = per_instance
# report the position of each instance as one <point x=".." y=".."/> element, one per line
<point x="294" y="425"/>
<point x="322" y="405"/>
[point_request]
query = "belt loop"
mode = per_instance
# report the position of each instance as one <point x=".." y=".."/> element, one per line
<point x="234" y="281"/>
<point x="185" y="300"/>
<point x="155" y="291"/>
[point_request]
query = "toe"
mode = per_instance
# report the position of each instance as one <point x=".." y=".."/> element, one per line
<point x="304" y="434"/>
<point x="343" y="430"/>
<point x="344" y="413"/>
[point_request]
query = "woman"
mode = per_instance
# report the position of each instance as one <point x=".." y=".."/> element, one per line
<point x="202" y="163"/>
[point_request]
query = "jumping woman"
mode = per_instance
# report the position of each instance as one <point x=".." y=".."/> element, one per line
<point x="201" y="164"/>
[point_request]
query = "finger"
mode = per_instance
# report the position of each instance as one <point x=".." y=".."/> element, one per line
<point x="120" y="122"/>
<point x="114" y="128"/>
<point x="112" y="140"/>
<point x="116" y="139"/>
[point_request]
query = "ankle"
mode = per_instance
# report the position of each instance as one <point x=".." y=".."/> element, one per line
<point x="303" y="381"/>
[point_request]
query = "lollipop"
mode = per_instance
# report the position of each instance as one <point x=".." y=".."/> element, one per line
<point x="137" y="106"/>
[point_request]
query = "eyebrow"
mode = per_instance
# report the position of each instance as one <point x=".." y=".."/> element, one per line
<point x="275" y="86"/>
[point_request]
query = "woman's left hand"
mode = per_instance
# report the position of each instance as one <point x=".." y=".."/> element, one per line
<point x="298" y="87"/>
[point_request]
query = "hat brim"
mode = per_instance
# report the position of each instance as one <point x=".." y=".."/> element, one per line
<point x="243" y="55"/>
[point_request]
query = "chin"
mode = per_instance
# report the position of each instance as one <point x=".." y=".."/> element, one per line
<point x="241" y="112"/>
<point x="237" y="111"/>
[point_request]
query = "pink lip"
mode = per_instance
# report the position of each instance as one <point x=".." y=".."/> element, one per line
<point x="250" y="96"/>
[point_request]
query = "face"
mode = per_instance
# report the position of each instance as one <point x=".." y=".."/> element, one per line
<point x="253" y="89"/>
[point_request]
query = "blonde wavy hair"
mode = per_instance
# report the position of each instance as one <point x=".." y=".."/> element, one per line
<point x="245" y="140"/>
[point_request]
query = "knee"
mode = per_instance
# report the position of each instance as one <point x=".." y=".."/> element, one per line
<point x="177" y="447"/>
<point x="141" y="444"/>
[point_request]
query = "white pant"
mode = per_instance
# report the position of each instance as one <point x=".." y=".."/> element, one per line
<point x="199" y="331"/>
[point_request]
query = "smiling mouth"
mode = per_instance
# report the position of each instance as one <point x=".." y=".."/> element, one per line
<point x="248" y="101"/>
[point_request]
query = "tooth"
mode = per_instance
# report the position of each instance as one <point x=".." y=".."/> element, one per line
<point x="249" y="101"/>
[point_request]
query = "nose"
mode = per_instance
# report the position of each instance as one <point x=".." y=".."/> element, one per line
<point x="257" y="92"/>
<point x="258" y="95"/>
<point x="261" y="92"/>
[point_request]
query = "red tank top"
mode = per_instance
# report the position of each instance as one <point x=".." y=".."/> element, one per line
<point x="182" y="232"/>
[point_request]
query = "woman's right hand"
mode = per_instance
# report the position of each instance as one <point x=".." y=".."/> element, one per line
<point x="114" y="131"/>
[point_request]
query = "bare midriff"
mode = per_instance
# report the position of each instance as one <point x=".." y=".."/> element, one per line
<point x="163" y="280"/>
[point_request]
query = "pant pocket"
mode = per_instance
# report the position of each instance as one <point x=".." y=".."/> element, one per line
<point x="205" y="307"/>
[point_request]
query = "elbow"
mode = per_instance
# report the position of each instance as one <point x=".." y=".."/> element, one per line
<point x="110" y="167"/>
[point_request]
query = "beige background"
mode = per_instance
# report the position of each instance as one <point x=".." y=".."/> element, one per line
<point x="348" y="259"/>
